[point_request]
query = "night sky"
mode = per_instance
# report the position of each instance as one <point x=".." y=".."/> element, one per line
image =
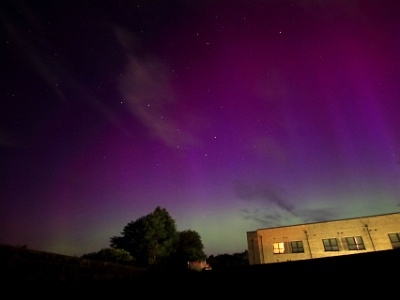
<point x="231" y="115"/>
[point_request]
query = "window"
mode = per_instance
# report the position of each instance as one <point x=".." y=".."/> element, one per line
<point x="279" y="248"/>
<point x="330" y="244"/>
<point x="355" y="243"/>
<point x="297" y="247"/>
<point x="395" y="240"/>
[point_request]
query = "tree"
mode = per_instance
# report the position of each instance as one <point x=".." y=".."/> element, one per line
<point x="189" y="247"/>
<point x="221" y="261"/>
<point x="110" y="255"/>
<point x="150" y="239"/>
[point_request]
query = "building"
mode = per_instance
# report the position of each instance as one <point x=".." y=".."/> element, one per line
<point x="198" y="265"/>
<point x="324" y="239"/>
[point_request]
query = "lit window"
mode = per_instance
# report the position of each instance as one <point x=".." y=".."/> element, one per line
<point x="279" y="248"/>
<point x="355" y="243"/>
<point x="395" y="240"/>
<point x="330" y="244"/>
<point x="297" y="247"/>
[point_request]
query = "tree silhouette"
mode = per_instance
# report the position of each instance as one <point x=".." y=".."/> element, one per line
<point x="149" y="239"/>
<point x="189" y="247"/>
<point x="111" y="255"/>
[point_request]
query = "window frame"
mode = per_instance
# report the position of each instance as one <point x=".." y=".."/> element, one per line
<point x="280" y="249"/>
<point x="355" y="243"/>
<point x="394" y="239"/>
<point x="331" y="244"/>
<point x="298" y="246"/>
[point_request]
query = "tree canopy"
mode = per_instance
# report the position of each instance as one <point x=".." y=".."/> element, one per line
<point x="190" y="246"/>
<point x="111" y="255"/>
<point x="154" y="238"/>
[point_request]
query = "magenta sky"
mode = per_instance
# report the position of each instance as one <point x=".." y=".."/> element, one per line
<point x="232" y="115"/>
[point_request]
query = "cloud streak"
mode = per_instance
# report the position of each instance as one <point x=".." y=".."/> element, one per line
<point x="145" y="85"/>
<point x="275" y="208"/>
<point x="263" y="192"/>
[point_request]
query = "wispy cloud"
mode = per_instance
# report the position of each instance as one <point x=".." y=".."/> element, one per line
<point x="145" y="86"/>
<point x="53" y="70"/>
<point x="275" y="206"/>
<point x="263" y="192"/>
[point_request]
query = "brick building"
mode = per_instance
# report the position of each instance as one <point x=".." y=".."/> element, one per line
<point x="324" y="239"/>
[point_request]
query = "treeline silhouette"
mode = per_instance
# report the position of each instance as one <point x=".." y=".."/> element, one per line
<point x="46" y="273"/>
<point x="19" y="263"/>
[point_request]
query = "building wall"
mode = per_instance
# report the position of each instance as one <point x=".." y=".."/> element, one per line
<point x="373" y="230"/>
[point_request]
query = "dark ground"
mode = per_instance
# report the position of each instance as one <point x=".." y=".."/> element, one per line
<point x="27" y="272"/>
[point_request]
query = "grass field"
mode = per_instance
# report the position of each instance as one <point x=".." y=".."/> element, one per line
<point x="29" y="271"/>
